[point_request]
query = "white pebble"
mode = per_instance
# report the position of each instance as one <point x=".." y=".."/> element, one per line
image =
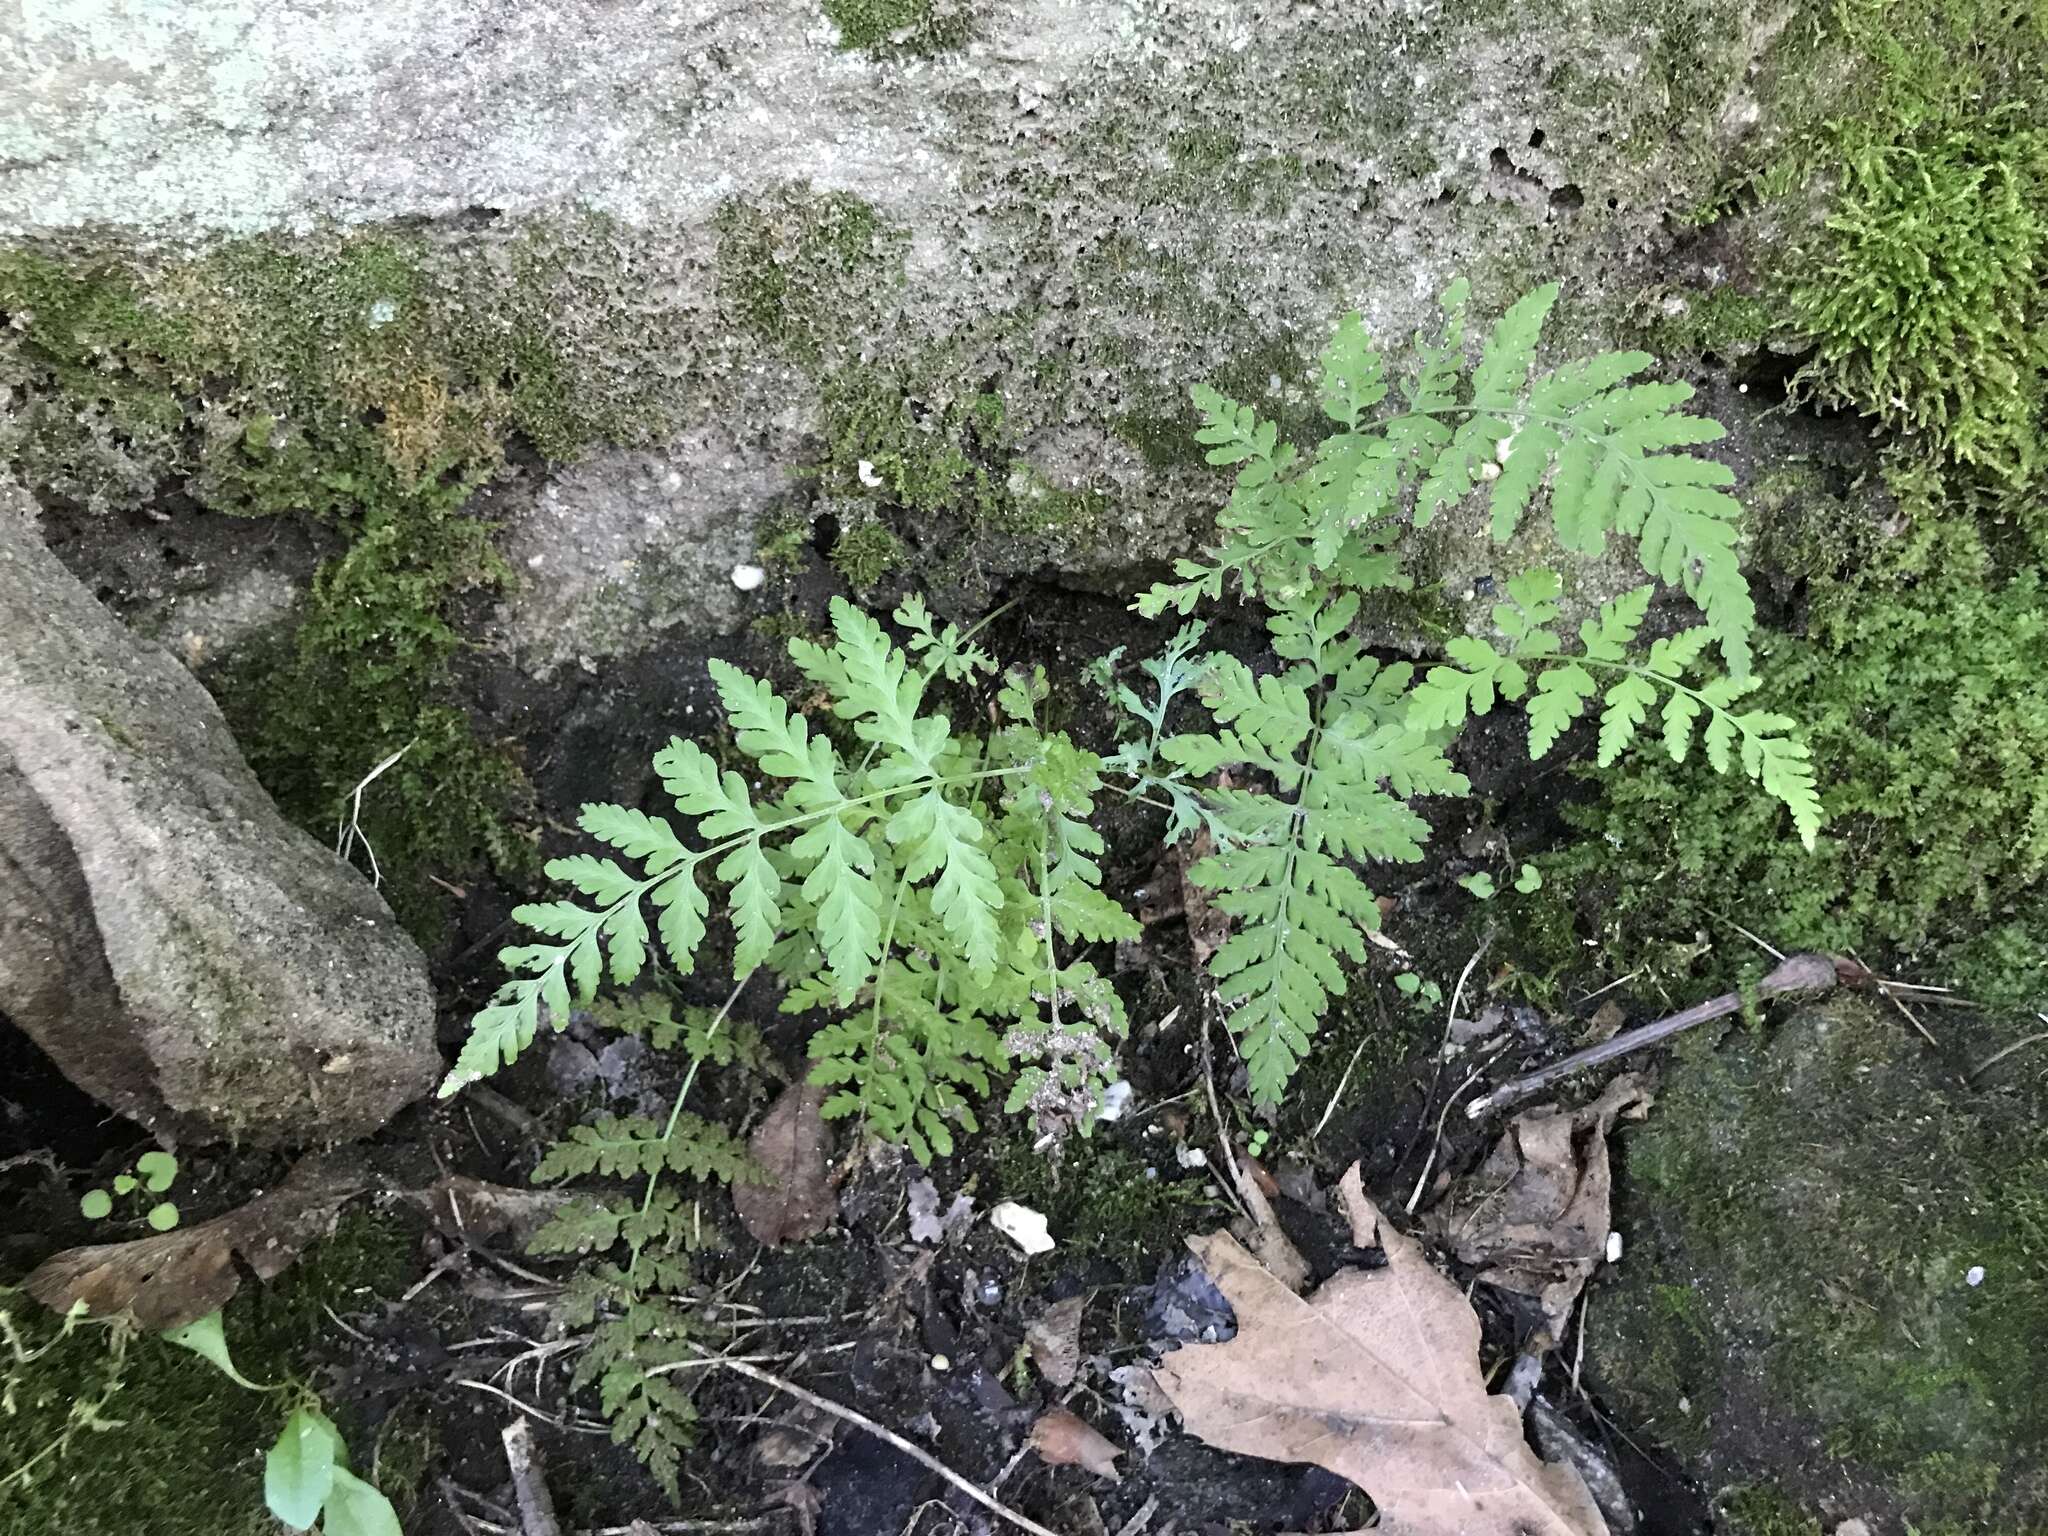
<point x="1614" y="1247"/>
<point x="382" y="313"/>
<point x="1022" y="1226"/>
<point x="748" y="577"/>
<point x="1192" y="1157"/>
<point x="1975" y="1276"/>
<point x="941" y="1363"/>
<point x="867" y="473"/>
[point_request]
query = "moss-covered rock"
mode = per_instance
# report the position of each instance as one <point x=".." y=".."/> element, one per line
<point x="1836" y="1278"/>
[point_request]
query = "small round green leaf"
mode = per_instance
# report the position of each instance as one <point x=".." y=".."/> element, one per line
<point x="1530" y="879"/>
<point x="158" y="1169"/>
<point x="124" y="1184"/>
<point x="162" y="1216"/>
<point x="96" y="1204"/>
<point x="298" y="1471"/>
<point x="1408" y="982"/>
<point x="1480" y="885"/>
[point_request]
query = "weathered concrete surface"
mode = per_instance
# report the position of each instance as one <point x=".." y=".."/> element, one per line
<point x="1084" y="209"/>
<point x="177" y="949"/>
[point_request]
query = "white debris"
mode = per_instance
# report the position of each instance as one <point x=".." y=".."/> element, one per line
<point x="1116" y="1098"/>
<point x="1191" y="1157"/>
<point x="1975" y="1277"/>
<point x="1614" y="1247"/>
<point x="868" y="476"/>
<point x="1022" y="1226"/>
<point x="382" y="313"/>
<point x="1489" y="470"/>
<point x="748" y="577"/>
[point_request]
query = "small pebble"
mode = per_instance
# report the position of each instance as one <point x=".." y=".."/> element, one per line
<point x="748" y="577"/>
<point x="1614" y="1247"/>
<point x="1976" y="1275"/>
<point x="941" y="1363"/>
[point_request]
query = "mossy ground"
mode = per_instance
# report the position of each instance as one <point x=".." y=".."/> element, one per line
<point x="184" y="1456"/>
<point x="1805" y="1209"/>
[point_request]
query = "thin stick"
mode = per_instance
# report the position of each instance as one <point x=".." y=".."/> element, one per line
<point x="916" y="1453"/>
<point x="1343" y="1082"/>
<point x="1436" y="1142"/>
<point x="1999" y="1055"/>
<point x="1891" y="997"/>
<point x="530" y="1480"/>
<point x="1799" y="973"/>
<point x="350" y="832"/>
<point x="1137" y="1523"/>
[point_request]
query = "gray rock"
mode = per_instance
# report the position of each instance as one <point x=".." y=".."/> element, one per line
<point x="179" y="951"/>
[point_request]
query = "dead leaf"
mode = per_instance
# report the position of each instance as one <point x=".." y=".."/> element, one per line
<point x="1065" y="1439"/>
<point x="182" y="1276"/>
<point x="1605" y="1024"/>
<point x="478" y="1212"/>
<point x="1376" y="1378"/>
<point x="1055" y="1340"/>
<point x="1534" y="1216"/>
<point x="928" y="1224"/>
<point x="1208" y="924"/>
<point x="1023" y="1226"/>
<point x="791" y="1145"/>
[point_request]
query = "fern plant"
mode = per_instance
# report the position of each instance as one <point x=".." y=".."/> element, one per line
<point x="633" y="1309"/>
<point x="936" y="891"/>
<point x="922" y="888"/>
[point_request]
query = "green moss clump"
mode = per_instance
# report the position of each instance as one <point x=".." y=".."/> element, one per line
<point x="1806" y="1209"/>
<point x="1104" y="1200"/>
<point x="865" y="553"/>
<point x="1929" y="298"/>
<point x="183" y="1452"/>
<point x="1765" y="1510"/>
<point x="901" y="27"/>
<point x="797" y="268"/>
<point x="1925" y="702"/>
<point x="366" y="673"/>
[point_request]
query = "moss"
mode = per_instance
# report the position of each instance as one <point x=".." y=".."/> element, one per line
<point x="184" y="1455"/>
<point x="1104" y="1200"/>
<point x="1765" y="1510"/>
<point x="910" y="27"/>
<point x="1724" y="322"/>
<point x="798" y="269"/>
<point x="1924" y="699"/>
<point x="865" y="553"/>
<point x="1822" y="1194"/>
<point x="366" y="673"/>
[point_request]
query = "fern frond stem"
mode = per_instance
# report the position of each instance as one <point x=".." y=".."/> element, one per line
<point x="1643" y="672"/>
<point x="875" y="1016"/>
<point x="987" y="619"/>
<point x="1052" y="962"/>
<point x="675" y="1110"/>
<point x="1132" y="794"/>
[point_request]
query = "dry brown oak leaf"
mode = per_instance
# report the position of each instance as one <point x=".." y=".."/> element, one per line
<point x="792" y="1146"/>
<point x="180" y="1277"/>
<point x="1534" y="1216"/>
<point x="1376" y="1378"/>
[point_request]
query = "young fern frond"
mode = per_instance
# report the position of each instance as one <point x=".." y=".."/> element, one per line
<point x="1609" y="449"/>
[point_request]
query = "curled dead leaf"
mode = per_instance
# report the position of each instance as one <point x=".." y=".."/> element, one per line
<point x="1065" y="1439"/>
<point x="479" y="1212"/>
<point x="177" y="1278"/>
<point x="791" y="1144"/>
<point x="1055" y="1340"/>
<point x="1534" y="1216"/>
<point x="1375" y="1377"/>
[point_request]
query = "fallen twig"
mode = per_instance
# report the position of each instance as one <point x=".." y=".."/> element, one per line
<point x="1892" y="997"/>
<point x="1796" y="974"/>
<point x="916" y="1453"/>
<point x="529" y="1480"/>
<point x="1999" y="1055"/>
